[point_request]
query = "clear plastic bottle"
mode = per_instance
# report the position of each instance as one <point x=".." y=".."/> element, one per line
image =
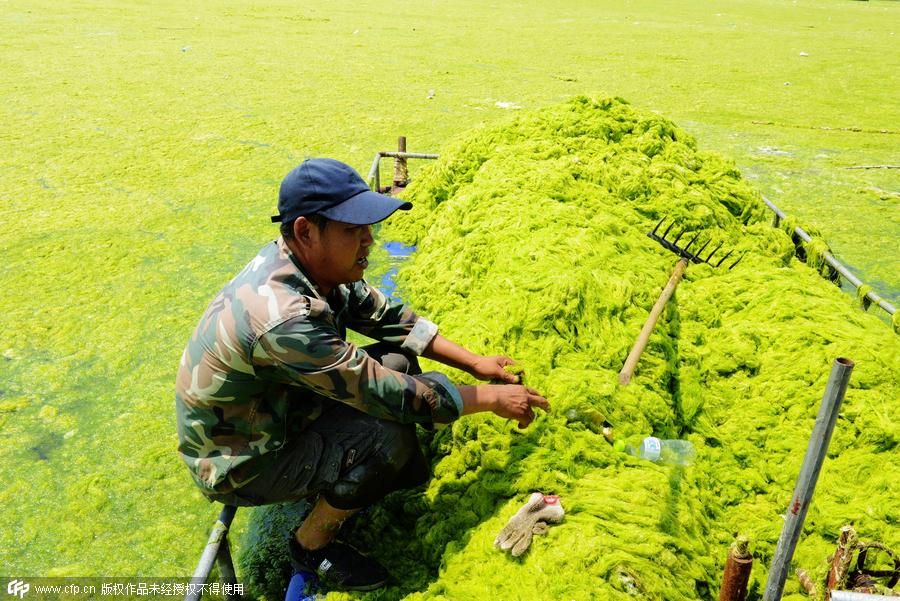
<point x="667" y="452"/>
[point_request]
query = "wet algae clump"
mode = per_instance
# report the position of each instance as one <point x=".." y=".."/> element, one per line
<point x="531" y="239"/>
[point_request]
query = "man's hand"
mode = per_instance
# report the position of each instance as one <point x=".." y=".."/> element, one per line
<point x="491" y="368"/>
<point x="516" y="402"/>
<point x="511" y="401"/>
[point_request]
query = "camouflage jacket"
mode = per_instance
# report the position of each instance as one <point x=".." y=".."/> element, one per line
<point x="265" y="349"/>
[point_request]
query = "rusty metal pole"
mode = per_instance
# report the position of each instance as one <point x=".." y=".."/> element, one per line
<point x="809" y="474"/>
<point x="401" y="173"/>
<point x="737" y="572"/>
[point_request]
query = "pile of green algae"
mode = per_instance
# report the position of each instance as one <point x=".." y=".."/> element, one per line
<point x="531" y="239"/>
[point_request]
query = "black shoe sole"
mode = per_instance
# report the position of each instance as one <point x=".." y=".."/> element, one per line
<point x="360" y="587"/>
<point x="330" y="583"/>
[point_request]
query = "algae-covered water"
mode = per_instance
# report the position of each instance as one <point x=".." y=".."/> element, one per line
<point x="142" y="146"/>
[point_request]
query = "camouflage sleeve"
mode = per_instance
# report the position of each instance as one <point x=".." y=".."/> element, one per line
<point x="309" y="352"/>
<point x="372" y="313"/>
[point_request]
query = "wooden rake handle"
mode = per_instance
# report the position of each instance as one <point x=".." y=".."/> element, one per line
<point x="642" y="339"/>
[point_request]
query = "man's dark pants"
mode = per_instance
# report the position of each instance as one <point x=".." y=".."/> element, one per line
<point x="349" y="457"/>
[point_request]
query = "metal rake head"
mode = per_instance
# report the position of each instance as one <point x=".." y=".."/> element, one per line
<point x="695" y="256"/>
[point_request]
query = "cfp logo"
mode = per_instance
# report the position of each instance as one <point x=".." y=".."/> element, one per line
<point x="17" y="587"/>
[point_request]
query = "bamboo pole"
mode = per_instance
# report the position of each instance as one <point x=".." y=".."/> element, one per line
<point x="642" y="339"/>
<point x="840" y="561"/>
<point x="809" y="474"/>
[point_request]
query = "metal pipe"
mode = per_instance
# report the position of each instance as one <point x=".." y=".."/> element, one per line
<point x="373" y="172"/>
<point x="374" y="178"/>
<point x="774" y="208"/>
<point x="211" y="552"/>
<point x="851" y="596"/>
<point x="408" y="155"/>
<point x="837" y="265"/>
<point x="226" y="569"/>
<point x="809" y="474"/>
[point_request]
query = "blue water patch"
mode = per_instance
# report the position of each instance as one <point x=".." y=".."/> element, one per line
<point x="388" y="284"/>
<point x="397" y="254"/>
<point x="398" y="249"/>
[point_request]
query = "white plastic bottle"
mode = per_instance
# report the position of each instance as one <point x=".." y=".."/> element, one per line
<point x="668" y="452"/>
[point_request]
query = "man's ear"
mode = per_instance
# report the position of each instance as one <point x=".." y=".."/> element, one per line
<point x="303" y="230"/>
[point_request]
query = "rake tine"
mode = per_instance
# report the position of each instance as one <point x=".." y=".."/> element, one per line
<point x="694" y="239"/>
<point x="714" y="251"/>
<point x="684" y="251"/>
<point x="699" y="252"/>
<point x="688" y="254"/>
<point x="728" y="254"/>
<point x="666" y="233"/>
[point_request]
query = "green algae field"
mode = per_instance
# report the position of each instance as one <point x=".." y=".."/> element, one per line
<point x="142" y="150"/>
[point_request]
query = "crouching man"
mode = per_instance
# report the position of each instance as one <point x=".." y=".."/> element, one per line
<point x="273" y="404"/>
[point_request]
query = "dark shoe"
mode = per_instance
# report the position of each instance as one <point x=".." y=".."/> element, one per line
<point x="339" y="566"/>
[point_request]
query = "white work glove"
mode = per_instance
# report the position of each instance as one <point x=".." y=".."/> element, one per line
<point x="531" y="519"/>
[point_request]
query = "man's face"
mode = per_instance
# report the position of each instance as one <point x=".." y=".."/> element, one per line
<point x="338" y="253"/>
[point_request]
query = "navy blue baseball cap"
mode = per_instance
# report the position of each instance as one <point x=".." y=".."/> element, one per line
<point x="334" y="190"/>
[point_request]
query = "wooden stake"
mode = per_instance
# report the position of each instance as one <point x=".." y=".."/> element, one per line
<point x="401" y="172"/>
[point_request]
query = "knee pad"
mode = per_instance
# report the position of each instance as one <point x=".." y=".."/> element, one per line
<point x="378" y="474"/>
<point x="415" y="473"/>
<point x="394" y="358"/>
<point x="402" y="362"/>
